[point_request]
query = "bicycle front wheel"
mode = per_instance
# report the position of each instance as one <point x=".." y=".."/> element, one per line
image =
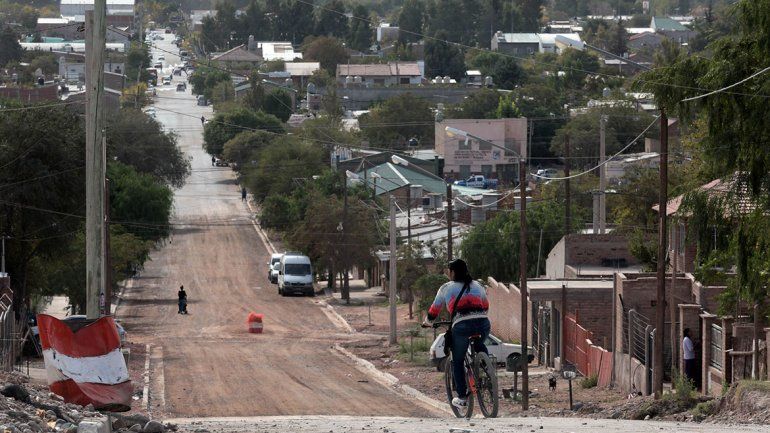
<point x="486" y="385"/>
<point x="451" y="392"/>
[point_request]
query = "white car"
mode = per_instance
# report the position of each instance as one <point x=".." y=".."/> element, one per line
<point x="496" y="347"/>
<point x="166" y="82"/>
<point x="274" y="258"/>
<point x="274" y="273"/>
<point x="161" y="57"/>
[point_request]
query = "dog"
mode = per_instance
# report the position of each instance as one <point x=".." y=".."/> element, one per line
<point x="552" y="383"/>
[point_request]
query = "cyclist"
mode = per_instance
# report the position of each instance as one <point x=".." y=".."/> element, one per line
<point x="470" y="318"/>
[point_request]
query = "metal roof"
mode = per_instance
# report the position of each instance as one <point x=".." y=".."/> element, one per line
<point x="519" y="38"/>
<point x="663" y="23"/>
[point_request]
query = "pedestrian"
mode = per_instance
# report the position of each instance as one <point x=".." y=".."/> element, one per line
<point x="243" y="193"/>
<point x="688" y="354"/>
<point x="213" y="160"/>
<point x="203" y="120"/>
<point x="182" y="295"/>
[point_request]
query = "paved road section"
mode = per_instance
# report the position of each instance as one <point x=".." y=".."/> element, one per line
<point x="421" y="425"/>
<point x="206" y="363"/>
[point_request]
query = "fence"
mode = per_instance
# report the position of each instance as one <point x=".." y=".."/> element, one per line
<point x="716" y="347"/>
<point x="587" y="358"/>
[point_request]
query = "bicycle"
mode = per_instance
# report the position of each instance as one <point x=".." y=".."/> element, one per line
<point x="480" y="375"/>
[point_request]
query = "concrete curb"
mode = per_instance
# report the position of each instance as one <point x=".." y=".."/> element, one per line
<point x="146" y="389"/>
<point x="127" y="284"/>
<point x="268" y="245"/>
<point x="391" y="381"/>
<point x="336" y="317"/>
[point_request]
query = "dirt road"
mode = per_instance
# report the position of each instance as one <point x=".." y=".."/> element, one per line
<point x="206" y="363"/>
<point x="343" y="424"/>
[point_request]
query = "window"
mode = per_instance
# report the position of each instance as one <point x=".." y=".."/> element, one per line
<point x="486" y="170"/>
<point x="483" y="145"/>
<point x="297" y="269"/>
<point x="463" y="145"/>
<point x="465" y="171"/>
<point x="511" y="144"/>
<point x="404" y="80"/>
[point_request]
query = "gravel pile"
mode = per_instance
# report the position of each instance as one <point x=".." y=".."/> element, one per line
<point x="30" y="408"/>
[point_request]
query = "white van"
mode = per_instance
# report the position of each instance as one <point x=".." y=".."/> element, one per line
<point x="275" y="258"/>
<point x="295" y="275"/>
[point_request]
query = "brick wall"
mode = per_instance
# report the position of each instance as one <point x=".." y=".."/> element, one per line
<point x="592" y="249"/>
<point x="592" y="308"/>
<point x="32" y="95"/>
<point x="505" y="311"/>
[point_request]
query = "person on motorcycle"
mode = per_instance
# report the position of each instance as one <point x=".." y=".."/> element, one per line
<point x="469" y="317"/>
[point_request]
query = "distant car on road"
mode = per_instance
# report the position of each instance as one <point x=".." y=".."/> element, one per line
<point x="478" y="181"/>
<point x="202" y="100"/>
<point x="496" y="347"/>
<point x="181" y="87"/>
<point x="162" y="57"/>
<point x="166" y="82"/>
<point x="275" y="258"/>
<point x="219" y="162"/>
<point x="295" y="275"/>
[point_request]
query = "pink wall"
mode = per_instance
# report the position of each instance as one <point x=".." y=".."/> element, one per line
<point x="511" y="132"/>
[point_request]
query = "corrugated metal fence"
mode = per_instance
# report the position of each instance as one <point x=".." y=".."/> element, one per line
<point x="588" y="358"/>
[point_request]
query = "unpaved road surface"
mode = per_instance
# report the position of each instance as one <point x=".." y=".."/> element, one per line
<point x="206" y="363"/>
<point x="343" y="424"/>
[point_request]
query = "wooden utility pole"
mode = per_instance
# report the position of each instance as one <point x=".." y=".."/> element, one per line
<point x="523" y="283"/>
<point x="346" y="278"/>
<point x="674" y="334"/>
<point x="107" y="310"/>
<point x="660" y="296"/>
<point x="392" y="280"/>
<point x="602" y="175"/>
<point x="449" y="240"/>
<point x="567" y="197"/>
<point x="409" y="214"/>
<point x="95" y="156"/>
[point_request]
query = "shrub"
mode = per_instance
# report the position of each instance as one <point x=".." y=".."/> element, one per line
<point x="589" y="381"/>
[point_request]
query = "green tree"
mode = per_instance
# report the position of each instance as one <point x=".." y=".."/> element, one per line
<point x="300" y="20"/>
<point x="410" y="269"/>
<point x="283" y="160"/>
<point x="504" y="70"/>
<point x="577" y="65"/>
<point x="136" y="139"/>
<point x="228" y="124"/>
<point x="222" y="93"/>
<point x="205" y="79"/>
<point x="279" y="213"/>
<point x="506" y="108"/>
<point x="137" y="61"/>
<point x="410" y="21"/>
<point x="139" y="202"/>
<point x="332" y="20"/>
<point x="531" y="13"/>
<point x="398" y="119"/>
<point x="442" y="58"/>
<point x="479" y="105"/>
<point x="278" y="103"/>
<point x="10" y="49"/>
<point x="618" y="43"/>
<point x="425" y="289"/>
<point x="328" y="51"/>
<point x="360" y="37"/>
<point x="244" y="148"/>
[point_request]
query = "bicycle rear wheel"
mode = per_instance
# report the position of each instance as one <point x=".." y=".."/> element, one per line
<point x="486" y="385"/>
<point x="451" y="392"/>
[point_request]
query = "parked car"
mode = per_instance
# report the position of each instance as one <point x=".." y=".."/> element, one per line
<point x="166" y="82"/>
<point x="478" y="181"/>
<point x="274" y="259"/>
<point x="162" y="57"/>
<point x="181" y="87"/>
<point x="219" y="162"/>
<point x="274" y="273"/>
<point x="202" y="100"/>
<point x="496" y="347"/>
<point x="295" y="275"/>
<point x="544" y="174"/>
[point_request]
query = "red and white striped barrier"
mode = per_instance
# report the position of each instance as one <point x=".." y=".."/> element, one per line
<point x="85" y="367"/>
<point x="255" y="323"/>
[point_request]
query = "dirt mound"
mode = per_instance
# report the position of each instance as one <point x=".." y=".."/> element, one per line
<point x="745" y="402"/>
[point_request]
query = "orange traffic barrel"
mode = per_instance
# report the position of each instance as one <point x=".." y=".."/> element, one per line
<point x="255" y="323"/>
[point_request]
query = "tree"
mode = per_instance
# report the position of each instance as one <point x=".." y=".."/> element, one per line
<point x="504" y="70"/>
<point x="222" y="93"/>
<point x="618" y="43"/>
<point x="442" y="58"/>
<point x="479" y="105"/>
<point x="506" y="108"/>
<point x="410" y="21"/>
<point x="624" y="123"/>
<point x="244" y="148"/>
<point x="139" y="202"/>
<point x="492" y="248"/>
<point x="228" y="124"/>
<point x="360" y="37"/>
<point x="205" y="79"/>
<point x="577" y="65"/>
<point x="138" y="140"/>
<point x="279" y="163"/>
<point x="410" y="269"/>
<point x="332" y="20"/>
<point x="398" y="119"/>
<point x="278" y="212"/>
<point x="328" y="51"/>
<point x="425" y="289"/>
<point x="300" y="20"/>
<point x="42" y="189"/>
<point x="531" y="13"/>
<point x="10" y="49"/>
<point x="278" y="103"/>
<point x="137" y="61"/>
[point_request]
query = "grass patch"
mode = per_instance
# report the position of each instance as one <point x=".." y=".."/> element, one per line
<point x="684" y="389"/>
<point x="705" y="409"/>
<point x="752" y="385"/>
<point x="589" y="381"/>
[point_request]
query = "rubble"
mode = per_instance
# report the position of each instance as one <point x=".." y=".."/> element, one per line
<point x="29" y="408"/>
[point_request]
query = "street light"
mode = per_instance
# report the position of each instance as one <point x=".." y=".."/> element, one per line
<point x="454" y="132"/>
<point x="401" y="161"/>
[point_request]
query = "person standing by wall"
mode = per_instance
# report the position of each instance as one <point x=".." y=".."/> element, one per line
<point x="688" y="354"/>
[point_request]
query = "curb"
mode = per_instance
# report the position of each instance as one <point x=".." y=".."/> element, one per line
<point x="336" y="317"/>
<point x="391" y="381"/>
<point x="268" y="245"/>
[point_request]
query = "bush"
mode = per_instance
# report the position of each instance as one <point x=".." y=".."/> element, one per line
<point x="684" y="388"/>
<point x="589" y="381"/>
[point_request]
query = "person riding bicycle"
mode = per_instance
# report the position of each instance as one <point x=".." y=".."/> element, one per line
<point x="469" y="319"/>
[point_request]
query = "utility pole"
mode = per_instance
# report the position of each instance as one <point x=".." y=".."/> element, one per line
<point x="392" y="280"/>
<point x="523" y="283"/>
<point x="95" y="157"/>
<point x="409" y="215"/>
<point x="602" y="175"/>
<point x="107" y="257"/>
<point x="449" y="239"/>
<point x="2" y="259"/>
<point x="674" y="335"/>
<point x="345" y="278"/>
<point x="660" y="296"/>
<point x="567" y="197"/>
